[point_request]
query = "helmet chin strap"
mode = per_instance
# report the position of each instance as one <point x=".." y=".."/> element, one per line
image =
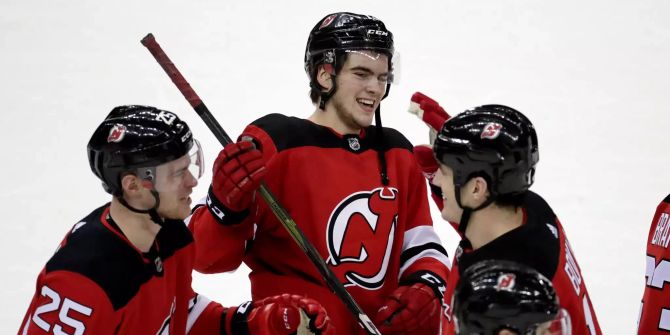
<point x="467" y="211"/>
<point x="153" y="212"/>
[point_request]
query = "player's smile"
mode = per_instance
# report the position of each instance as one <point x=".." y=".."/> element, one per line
<point x="368" y="105"/>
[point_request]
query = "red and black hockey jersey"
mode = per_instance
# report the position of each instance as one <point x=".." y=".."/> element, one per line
<point x="540" y="243"/>
<point x="372" y="236"/>
<point x="98" y="283"/>
<point x="655" y="309"/>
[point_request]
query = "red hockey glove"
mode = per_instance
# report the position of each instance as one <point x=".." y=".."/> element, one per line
<point x="428" y="164"/>
<point x="238" y="172"/>
<point x="281" y="314"/>
<point x="414" y="309"/>
<point x="430" y="112"/>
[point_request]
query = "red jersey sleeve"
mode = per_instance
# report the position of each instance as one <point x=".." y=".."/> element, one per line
<point x="218" y="248"/>
<point x="571" y="290"/>
<point x="655" y="309"/>
<point x="66" y="302"/>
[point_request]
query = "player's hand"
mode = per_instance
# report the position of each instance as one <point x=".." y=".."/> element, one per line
<point x="428" y="111"/>
<point x="411" y="309"/>
<point x="426" y="158"/>
<point x="288" y="314"/>
<point x="237" y="174"/>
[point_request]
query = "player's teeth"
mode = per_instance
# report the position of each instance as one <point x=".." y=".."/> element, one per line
<point x="366" y="102"/>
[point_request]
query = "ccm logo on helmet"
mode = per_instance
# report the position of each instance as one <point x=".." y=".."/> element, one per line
<point x="377" y="32"/>
<point x="491" y="130"/>
<point x="116" y="134"/>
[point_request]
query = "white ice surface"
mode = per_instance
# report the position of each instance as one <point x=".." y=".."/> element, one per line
<point x="592" y="75"/>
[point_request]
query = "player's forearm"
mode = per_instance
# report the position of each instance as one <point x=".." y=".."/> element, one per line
<point x="218" y="248"/>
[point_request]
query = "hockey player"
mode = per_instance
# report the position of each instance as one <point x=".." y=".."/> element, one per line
<point x="655" y="309"/>
<point x="354" y="189"/>
<point x="126" y="267"/>
<point x="487" y="159"/>
<point x="496" y="297"/>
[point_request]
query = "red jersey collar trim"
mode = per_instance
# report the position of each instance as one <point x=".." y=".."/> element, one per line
<point x="118" y="232"/>
<point x="361" y="133"/>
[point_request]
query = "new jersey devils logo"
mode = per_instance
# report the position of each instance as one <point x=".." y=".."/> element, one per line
<point x="506" y="282"/>
<point x="327" y="21"/>
<point x="116" y="134"/>
<point x="360" y="237"/>
<point x="491" y="130"/>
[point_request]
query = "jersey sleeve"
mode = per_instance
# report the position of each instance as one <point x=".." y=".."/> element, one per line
<point x="68" y="303"/>
<point x="655" y="306"/>
<point x="571" y="290"/>
<point x="204" y="316"/>
<point x="422" y="249"/>
<point x="219" y="248"/>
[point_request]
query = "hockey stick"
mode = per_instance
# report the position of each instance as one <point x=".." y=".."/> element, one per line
<point x="298" y="236"/>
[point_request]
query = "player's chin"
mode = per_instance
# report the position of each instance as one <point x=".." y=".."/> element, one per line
<point x="179" y="212"/>
<point x="446" y="215"/>
<point x="364" y="121"/>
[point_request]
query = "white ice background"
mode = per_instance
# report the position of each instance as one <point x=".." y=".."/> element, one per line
<point x="592" y="75"/>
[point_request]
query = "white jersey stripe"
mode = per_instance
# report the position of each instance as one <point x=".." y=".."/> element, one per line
<point x="417" y="237"/>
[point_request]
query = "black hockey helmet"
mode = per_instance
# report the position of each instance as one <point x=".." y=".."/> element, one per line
<point x="494" y="295"/>
<point x="340" y="32"/>
<point x="136" y="139"/>
<point x="494" y="141"/>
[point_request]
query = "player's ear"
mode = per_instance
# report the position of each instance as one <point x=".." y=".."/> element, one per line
<point x="478" y="189"/>
<point x="131" y="184"/>
<point x="324" y="76"/>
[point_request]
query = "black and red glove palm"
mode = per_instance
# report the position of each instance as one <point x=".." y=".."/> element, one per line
<point x="281" y="315"/>
<point x="238" y="172"/>
<point x="414" y="308"/>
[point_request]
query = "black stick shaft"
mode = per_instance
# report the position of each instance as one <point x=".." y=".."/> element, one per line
<point x="194" y="100"/>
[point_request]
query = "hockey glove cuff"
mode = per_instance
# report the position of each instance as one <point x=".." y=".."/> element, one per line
<point x="221" y="213"/>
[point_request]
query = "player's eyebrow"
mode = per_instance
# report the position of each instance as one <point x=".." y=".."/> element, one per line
<point x="365" y="69"/>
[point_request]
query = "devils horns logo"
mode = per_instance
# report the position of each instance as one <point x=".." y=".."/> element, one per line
<point x="360" y="237"/>
<point x="506" y="282"/>
<point x="491" y="130"/>
<point x="116" y="134"/>
<point x="327" y="21"/>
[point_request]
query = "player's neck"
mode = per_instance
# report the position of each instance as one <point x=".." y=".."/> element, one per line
<point x="487" y="224"/>
<point x="138" y="228"/>
<point x="329" y="118"/>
